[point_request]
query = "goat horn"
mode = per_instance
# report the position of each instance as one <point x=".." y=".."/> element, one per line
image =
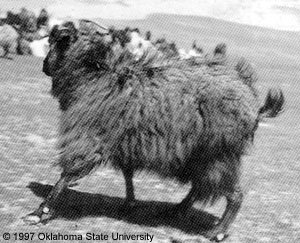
<point x="89" y="21"/>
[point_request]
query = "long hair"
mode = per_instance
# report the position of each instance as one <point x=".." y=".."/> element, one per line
<point x="190" y="123"/>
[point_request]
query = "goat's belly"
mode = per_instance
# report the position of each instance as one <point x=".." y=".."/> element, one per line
<point x="163" y="154"/>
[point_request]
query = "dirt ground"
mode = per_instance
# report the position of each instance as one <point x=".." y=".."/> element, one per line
<point x="28" y="133"/>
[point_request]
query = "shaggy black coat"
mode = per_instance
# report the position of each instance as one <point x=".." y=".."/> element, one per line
<point x="189" y="123"/>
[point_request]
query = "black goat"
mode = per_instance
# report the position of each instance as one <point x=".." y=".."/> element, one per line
<point x="178" y="121"/>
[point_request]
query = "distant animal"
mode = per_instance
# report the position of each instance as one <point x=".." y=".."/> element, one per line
<point x="183" y="55"/>
<point x="168" y="49"/>
<point x="137" y="44"/>
<point x="219" y="56"/>
<point x="42" y="19"/>
<point x="33" y="43"/>
<point x="188" y="123"/>
<point x="220" y="49"/>
<point x="31" y="36"/>
<point x="148" y="35"/>
<point x="195" y="51"/>
<point x="28" y="21"/>
<point x="12" y="19"/>
<point x="8" y="39"/>
<point x="131" y="40"/>
<point x="121" y="36"/>
<point x="23" y="47"/>
<point x="39" y="48"/>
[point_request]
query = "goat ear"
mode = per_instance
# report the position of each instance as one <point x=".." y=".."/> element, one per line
<point x="58" y="33"/>
<point x="67" y="30"/>
<point x="63" y="38"/>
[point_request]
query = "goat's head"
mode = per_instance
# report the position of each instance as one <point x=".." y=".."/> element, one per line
<point x="60" y="39"/>
<point x="86" y="45"/>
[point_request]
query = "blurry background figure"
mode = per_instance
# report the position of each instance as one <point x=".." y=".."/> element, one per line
<point x="28" y="21"/>
<point x="8" y="40"/>
<point x="148" y="35"/>
<point x="169" y="49"/>
<point x="196" y="51"/>
<point x="43" y="19"/>
<point x="25" y="31"/>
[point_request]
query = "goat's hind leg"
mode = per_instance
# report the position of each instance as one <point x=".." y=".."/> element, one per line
<point x="234" y="202"/>
<point x="46" y="210"/>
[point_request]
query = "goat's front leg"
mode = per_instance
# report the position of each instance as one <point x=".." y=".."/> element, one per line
<point x="234" y="202"/>
<point x="181" y="208"/>
<point x="46" y="210"/>
<point x="130" y="198"/>
<point x="187" y="202"/>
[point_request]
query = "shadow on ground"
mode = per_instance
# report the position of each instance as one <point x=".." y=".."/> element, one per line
<point x="74" y="205"/>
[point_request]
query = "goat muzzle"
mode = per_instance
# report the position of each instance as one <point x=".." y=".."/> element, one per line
<point x="46" y="69"/>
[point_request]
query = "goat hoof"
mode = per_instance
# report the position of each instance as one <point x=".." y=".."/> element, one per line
<point x="216" y="236"/>
<point x="220" y="237"/>
<point x="41" y="215"/>
<point x="46" y="218"/>
<point x="31" y="219"/>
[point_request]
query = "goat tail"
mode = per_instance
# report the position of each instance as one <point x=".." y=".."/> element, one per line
<point x="274" y="104"/>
